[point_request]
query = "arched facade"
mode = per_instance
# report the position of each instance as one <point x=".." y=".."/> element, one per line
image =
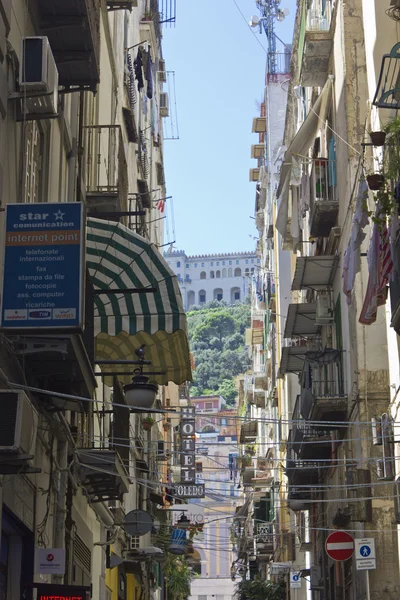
<point x="203" y="275"/>
<point x="212" y="274"/>
<point x="218" y="294"/>
<point x="223" y="272"/>
<point x="218" y="275"/>
<point x="202" y="296"/>
<point x="238" y="272"/>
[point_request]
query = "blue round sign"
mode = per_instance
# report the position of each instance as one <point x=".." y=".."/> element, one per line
<point x="365" y="551"/>
<point x="295" y="577"/>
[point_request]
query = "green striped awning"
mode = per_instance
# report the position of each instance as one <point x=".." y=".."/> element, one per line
<point x="119" y="259"/>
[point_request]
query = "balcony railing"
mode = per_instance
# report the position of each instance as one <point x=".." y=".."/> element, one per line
<point x="322" y="387"/>
<point x="324" y="205"/>
<point x="319" y="15"/>
<point x="308" y="442"/>
<point x="395" y="287"/>
<point x="106" y="172"/>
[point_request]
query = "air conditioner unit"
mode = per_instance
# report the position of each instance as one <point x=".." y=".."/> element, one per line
<point x="164" y="105"/>
<point x="254" y="174"/>
<point x="162" y="76"/>
<point x="18" y="423"/>
<point x="38" y="73"/>
<point x="324" y="312"/>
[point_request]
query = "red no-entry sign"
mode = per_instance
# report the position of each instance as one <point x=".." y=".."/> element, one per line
<point x="339" y="545"/>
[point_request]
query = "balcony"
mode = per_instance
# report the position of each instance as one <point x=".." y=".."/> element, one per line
<point x="324" y="206"/>
<point x="121" y="4"/>
<point x="322" y="395"/>
<point x="309" y="442"/>
<point x="301" y="472"/>
<point x="73" y="29"/>
<point x="395" y="287"/>
<point x="317" y="39"/>
<point x="106" y="172"/>
<point x="315" y="272"/>
<point x="102" y="475"/>
<point x="300" y="320"/>
<point x="264" y="540"/>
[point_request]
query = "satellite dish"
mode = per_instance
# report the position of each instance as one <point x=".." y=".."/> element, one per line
<point x="254" y="21"/>
<point x="138" y="522"/>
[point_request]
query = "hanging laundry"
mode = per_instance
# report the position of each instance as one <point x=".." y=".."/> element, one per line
<point x="149" y="75"/>
<point x="351" y="261"/>
<point x="295" y="178"/>
<point x="332" y="181"/>
<point x="160" y="205"/>
<point x="380" y="266"/>
<point x="138" y="63"/>
<point x="294" y="225"/>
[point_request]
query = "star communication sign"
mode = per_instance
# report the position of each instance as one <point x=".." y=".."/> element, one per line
<point x="43" y="266"/>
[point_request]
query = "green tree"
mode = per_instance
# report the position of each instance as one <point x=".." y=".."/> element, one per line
<point x="258" y="589"/>
<point x="177" y="576"/>
<point x="219" y="324"/>
<point x="228" y="391"/>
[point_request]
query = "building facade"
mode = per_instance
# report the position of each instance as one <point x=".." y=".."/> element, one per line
<point x="329" y="345"/>
<point x="198" y="275"/>
<point x="81" y="111"/>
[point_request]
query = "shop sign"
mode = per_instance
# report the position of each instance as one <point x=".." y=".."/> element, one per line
<point x="42" y="284"/>
<point x="50" y="561"/>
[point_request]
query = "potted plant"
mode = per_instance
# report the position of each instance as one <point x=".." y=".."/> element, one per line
<point x="148" y="423"/>
<point x="375" y="181"/>
<point x="250" y="450"/>
<point x="378" y="138"/>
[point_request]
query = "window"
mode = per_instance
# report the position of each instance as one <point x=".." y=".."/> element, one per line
<point x="187" y="266"/>
<point x="247" y="272"/>
<point x="217" y="263"/>
<point x="223" y="262"/>
<point x="202" y="597"/>
<point x="218" y="294"/>
<point x="203" y="275"/>
<point x="211" y="264"/>
<point x="237" y="295"/>
<point x="187" y="277"/>
<point x="208" y="406"/>
<point x="202" y="264"/>
<point x="229" y="272"/>
<point x="199" y="467"/>
<point x="237" y="262"/>
<point x="219" y="297"/>
<point x="212" y="274"/>
<point x="223" y="272"/>
<point x="195" y="265"/>
<point x="252" y="260"/>
<point x="178" y="264"/>
<point x="238" y="272"/>
<point x="258" y="260"/>
<point x="230" y="262"/>
<point x="223" y="421"/>
<point x="202" y="296"/>
<point x="252" y="270"/>
<point x="218" y="274"/>
<point x="247" y="261"/>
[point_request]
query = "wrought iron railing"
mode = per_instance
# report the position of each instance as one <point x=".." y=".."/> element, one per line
<point x="105" y="163"/>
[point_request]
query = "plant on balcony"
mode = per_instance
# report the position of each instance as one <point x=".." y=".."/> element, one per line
<point x="148" y="423"/>
<point x="250" y="450"/>
<point x="258" y="589"/>
<point x="166" y="425"/>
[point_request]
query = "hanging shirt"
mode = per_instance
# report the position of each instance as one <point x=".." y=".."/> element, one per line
<point x="149" y="75"/>
<point x="138" y="63"/>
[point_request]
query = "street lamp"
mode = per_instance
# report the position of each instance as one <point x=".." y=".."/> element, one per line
<point x="140" y="393"/>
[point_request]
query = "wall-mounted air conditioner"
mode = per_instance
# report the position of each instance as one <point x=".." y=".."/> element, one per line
<point x="162" y="76"/>
<point x="324" y="312"/>
<point x="18" y="423"/>
<point x="38" y="73"/>
<point x="254" y="174"/>
<point x="164" y="104"/>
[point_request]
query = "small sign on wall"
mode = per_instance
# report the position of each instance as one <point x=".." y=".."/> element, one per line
<point x="50" y="561"/>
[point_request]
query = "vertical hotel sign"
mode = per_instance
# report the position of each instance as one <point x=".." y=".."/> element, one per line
<point x="187" y="487"/>
<point x="43" y="266"/>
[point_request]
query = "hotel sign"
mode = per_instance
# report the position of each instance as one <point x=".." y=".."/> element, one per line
<point x="187" y="487"/>
<point x="43" y="266"/>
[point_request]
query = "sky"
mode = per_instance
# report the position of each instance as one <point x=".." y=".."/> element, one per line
<point x="219" y="72"/>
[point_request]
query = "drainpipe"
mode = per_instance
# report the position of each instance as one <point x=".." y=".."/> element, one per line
<point x="60" y="501"/>
<point x="73" y="155"/>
